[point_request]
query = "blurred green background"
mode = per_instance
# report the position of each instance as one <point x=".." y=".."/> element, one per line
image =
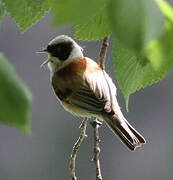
<point x="45" y="154"/>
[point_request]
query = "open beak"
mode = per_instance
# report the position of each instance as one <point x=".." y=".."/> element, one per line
<point x="44" y="63"/>
<point x="42" y="51"/>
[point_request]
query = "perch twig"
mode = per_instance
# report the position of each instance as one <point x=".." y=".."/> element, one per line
<point x="96" y="124"/>
<point x="76" y="147"/>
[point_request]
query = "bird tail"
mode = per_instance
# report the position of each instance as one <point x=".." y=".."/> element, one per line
<point x="127" y="134"/>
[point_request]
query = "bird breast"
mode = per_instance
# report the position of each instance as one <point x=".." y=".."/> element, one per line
<point x="71" y="77"/>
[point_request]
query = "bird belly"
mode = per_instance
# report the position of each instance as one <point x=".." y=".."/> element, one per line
<point x="79" y="111"/>
<point x="76" y="110"/>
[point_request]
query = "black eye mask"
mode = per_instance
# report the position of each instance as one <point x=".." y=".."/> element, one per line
<point x="61" y="51"/>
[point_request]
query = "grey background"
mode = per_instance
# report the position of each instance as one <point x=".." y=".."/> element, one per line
<point x="45" y="154"/>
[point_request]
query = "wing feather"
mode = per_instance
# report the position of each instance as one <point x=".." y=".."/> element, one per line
<point x="95" y="94"/>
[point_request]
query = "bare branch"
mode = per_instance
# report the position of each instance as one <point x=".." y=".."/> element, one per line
<point x="76" y="147"/>
<point x="102" y="54"/>
<point x="96" y="124"/>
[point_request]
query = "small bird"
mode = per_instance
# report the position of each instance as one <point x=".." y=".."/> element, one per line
<point x="85" y="89"/>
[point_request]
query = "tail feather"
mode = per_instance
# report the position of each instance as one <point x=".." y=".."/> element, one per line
<point x="141" y="139"/>
<point x="123" y="138"/>
<point x="127" y="134"/>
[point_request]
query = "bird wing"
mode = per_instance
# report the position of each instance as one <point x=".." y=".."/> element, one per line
<point x="95" y="95"/>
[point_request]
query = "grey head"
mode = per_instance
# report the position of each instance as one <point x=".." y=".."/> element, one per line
<point x="61" y="51"/>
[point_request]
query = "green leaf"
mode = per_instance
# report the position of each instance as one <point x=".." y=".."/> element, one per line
<point x="75" y="11"/>
<point x="166" y="9"/>
<point x="136" y="22"/>
<point x="2" y="11"/>
<point x="15" y="98"/>
<point x="136" y="71"/>
<point x="95" y="28"/>
<point x="26" y="12"/>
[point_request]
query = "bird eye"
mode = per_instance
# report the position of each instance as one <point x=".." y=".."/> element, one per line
<point x="53" y="49"/>
<point x="58" y="49"/>
<point x="61" y="50"/>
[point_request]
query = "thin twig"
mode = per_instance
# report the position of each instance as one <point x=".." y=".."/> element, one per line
<point x="76" y="147"/>
<point x="102" y="54"/>
<point x="96" y="124"/>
